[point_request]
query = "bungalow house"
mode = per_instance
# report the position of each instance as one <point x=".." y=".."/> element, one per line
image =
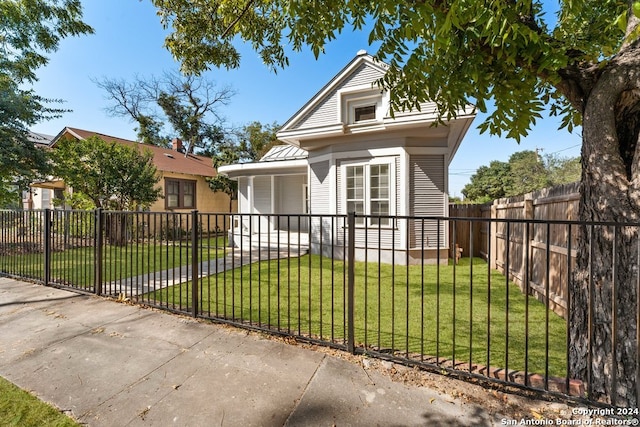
<point x="345" y="153"/>
<point x="183" y="177"/>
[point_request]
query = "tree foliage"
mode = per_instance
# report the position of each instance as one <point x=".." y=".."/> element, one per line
<point x="190" y="104"/>
<point x="479" y="51"/>
<point x="488" y="183"/>
<point x="29" y="30"/>
<point x="525" y="171"/>
<point x="247" y="144"/>
<point x="528" y="172"/>
<point x="112" y="175"/>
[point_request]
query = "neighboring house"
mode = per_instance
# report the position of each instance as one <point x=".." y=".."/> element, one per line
<point x="347" y="153"/>
<point x="183" y="178"/>
<point x="42" y="198"/>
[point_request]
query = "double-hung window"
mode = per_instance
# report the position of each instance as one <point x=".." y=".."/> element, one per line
<point x="355" y="192"/>
<point x="180" y="193"/>
<point x="368" y="192"/>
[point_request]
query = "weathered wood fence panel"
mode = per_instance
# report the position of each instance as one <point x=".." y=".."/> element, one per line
<point x="522" y="248"/>
<point x="467" y="235"/>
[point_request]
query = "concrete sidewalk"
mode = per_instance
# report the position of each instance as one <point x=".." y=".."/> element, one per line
<point x="112" y="364"/>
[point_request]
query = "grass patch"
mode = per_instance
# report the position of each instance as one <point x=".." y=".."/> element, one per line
<point x="464" y="312"/>
<point x="19" y="408"/>
<point x="76" y="266"/>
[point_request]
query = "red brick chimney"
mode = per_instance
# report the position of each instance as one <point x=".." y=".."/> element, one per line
<point x="176" y="144"/>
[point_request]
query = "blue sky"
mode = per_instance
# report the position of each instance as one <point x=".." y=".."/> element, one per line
<point x="128" y="41"/>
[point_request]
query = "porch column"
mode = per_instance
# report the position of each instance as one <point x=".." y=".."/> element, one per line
<point x="251" y="206"/>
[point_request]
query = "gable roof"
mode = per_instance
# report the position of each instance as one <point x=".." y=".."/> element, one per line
<point x="362" y="59"/>
<point x="165" y="159"/>
<point x="327" y="115"/>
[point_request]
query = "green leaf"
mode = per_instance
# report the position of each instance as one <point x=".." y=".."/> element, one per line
<point x="636" y="9"/>
<point x="621" y="22"/>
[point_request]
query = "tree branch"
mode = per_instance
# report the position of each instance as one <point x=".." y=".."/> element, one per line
<point x="237" y="19"/>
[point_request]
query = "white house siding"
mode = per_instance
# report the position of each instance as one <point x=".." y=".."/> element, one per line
<point x="243" y="202"/>
<point x="365" y="74"/>
<point x="243" y="194"/>
<point x="319" y="200"/>
<point x="319" y="196"/>
<point x="42" y="198"/>
<point x="425" y="107"/>
<point x="326" y="112"/>
<point x="262" y="202"/>
<point x="427" y="196"/>
<point x="289" y="192"/>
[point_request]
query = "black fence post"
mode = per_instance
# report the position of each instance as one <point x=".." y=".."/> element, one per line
<point x="47" y="246"/>
<point x="97" y="286"/>
<point x="194" y="263"/>
<point x="351" y="252"/>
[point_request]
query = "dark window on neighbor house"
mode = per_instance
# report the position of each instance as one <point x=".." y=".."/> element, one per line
<point x="367" y="112"/>
<point x="179" y="193"/>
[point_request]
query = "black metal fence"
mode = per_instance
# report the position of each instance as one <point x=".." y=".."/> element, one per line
<point x="396" y="289"/>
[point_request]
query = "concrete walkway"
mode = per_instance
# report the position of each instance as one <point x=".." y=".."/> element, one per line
<point x="112" y="364"/>
<point x="235" y="258"/>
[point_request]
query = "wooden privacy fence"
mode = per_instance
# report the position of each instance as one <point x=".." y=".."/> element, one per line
<point x="524" y="249"/>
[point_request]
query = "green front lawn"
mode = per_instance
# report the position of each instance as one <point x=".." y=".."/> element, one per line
<point x="76" y="266"/>
<point x="450" y="319"/>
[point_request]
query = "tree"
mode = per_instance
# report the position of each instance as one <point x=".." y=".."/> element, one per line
<point x="563" y="170"/>
<point x="112" y="175"/>
<point x="584" y="63"/>
<point x="189" y="104"/>
<point x="248" y="144"/>
<point x="525" y="171"/>
<point x="28" y="31"/>
<point x="488" y="183"/>
<point x="528" y="173"/>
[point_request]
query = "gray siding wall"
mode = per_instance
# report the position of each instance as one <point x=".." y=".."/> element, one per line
<point x="363" y="75"/>
<point x="326" y="112"/>
<point x="425" y="107"/>
<point x="319" y="186"/>
<point x="426" y="198"/>
<point x="319" y="199"/>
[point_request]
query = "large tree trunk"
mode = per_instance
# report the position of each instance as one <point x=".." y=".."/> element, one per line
<point x="603" y="319"/>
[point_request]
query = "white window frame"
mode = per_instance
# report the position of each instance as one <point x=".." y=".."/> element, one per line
<point x="361" y="96"/>
<point x="371" y="221"/>
<point x="352" y="105"/>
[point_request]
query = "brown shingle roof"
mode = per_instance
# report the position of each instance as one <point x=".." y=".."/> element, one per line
<point x="165" y="159"/>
